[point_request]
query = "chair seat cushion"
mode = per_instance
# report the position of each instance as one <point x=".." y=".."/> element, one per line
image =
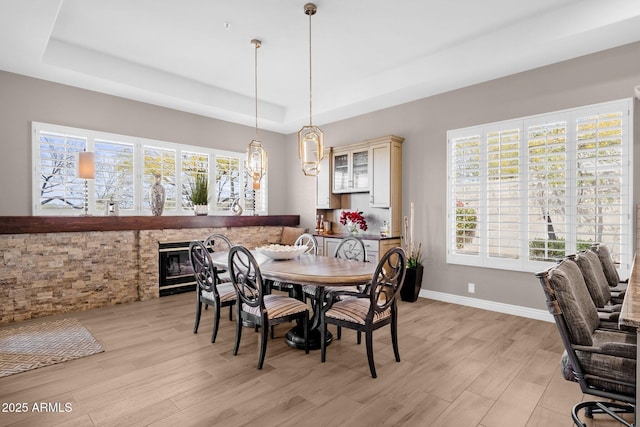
<point x="224" y="277"/>
<point x="276" y="284"/>
<point x="355" y="310"/>
<point x="278" y="306"/>
<point x="226" y="291"/>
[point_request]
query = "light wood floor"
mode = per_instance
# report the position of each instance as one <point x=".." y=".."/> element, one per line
<point x="460" y="367"/>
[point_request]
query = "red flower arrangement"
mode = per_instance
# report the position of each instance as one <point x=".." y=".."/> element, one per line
<point x="353" y="217"/>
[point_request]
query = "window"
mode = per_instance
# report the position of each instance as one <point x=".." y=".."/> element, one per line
<point x="525" y="193"/>
<point x="126" y="169"/>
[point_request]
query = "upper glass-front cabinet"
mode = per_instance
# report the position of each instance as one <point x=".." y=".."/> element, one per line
<point x="351" y="170"/>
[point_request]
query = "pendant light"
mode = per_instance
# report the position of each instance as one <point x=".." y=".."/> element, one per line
<point x="256" y="154"/>
<point x="310" y="138"/>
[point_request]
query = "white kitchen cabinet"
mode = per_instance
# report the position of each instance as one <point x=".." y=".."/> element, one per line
<point x="325" y="198"/>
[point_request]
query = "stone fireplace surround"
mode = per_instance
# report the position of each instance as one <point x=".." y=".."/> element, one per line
<point x="52" y="265"/>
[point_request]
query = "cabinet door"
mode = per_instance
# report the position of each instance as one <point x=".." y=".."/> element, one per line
<point x="380" y="174"/>
<point x="360" y="170"/>
<point x="372" y="250"/>
<point x="341" y="173"/>
<point x="325" y="199"/>
<point x="330" y="246"/>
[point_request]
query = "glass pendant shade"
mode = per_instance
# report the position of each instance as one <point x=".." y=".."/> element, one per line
<point x="310" y="149"/>
<point x="256" y="162"/>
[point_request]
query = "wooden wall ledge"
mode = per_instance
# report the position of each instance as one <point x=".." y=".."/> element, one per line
<point x="61" y="224"/>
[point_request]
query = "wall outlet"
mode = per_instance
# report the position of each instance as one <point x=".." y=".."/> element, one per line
<point x="472" y="288"/>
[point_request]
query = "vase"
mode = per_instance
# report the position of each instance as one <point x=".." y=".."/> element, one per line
<point x="201" y="210"/>
<point x="412" y="284"/>
<point x="353" y="228"/>
<point x="156" y="197"/>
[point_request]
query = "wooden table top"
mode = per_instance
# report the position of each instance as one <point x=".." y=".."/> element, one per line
<point x="308" y="269"/>
<point x="630" y="313"/>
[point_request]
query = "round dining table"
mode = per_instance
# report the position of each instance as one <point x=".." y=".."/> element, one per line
<point x="308" y="269"/>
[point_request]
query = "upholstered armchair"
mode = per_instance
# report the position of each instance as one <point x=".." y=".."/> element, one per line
<point x="601" y="361"/>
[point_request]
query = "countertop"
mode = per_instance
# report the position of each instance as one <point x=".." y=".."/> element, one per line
<point x="362" y="236"/>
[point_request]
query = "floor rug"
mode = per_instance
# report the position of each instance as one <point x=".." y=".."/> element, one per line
<point x="34" y="346"/>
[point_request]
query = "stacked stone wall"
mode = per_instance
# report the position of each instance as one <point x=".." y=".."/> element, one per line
<point x="53" y="273"/>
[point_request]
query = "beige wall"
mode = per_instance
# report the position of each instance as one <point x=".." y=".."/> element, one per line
<point x="596" y="78"/>
<point x="605" y="76"/>
<point x="24" y="99"/>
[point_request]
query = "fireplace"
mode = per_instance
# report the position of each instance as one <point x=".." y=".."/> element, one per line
<point x="176" y="274"/>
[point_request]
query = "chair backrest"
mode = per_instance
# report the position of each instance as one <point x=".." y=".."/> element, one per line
<point x="203" y="269"/>
<point x="307" y="239"/>
<point x="608" y="266"/>
<point x="351" y="247"/>
<point x="594" y="277"/>
<point x="387" y="282"/>
<point x="246" y="277"/>
<point x="565" y="286"/>
<point x="217" y="242"/>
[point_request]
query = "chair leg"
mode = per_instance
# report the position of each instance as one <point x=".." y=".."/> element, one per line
<point x="230" y="312"/>
<point x="369" y="339"/>
<point x="272" y="329"/>
<point x="339" y="334"/>
<point x="359" y="337"/>
<point x="238" y="332"/>
<point x="394" y="339"/>
<point x="263" y="342"/>
<point x="198" y="314"/>
<point x="305" y="324"/>
<point x="216" y="322"/>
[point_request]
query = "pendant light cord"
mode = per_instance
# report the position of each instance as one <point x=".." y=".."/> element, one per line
<point x="255" y="62"/>
<point x="310" y="85"/>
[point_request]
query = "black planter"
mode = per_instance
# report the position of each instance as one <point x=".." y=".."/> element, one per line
<point x="412" y="284"/>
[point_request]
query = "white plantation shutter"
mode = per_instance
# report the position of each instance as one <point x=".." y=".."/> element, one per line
<point x="602" y="182"/>
<point x="158" y="160"/>
<point x="56" y="185"/>
<point x="114" y="161"/>
<point x="541" y="188"/>
<point x="228" y="182"/>
<point x="192" y="164"/>
<point x="503" y="196"/>
<point x="547" y="181"/>
<point x="464" y="201"/>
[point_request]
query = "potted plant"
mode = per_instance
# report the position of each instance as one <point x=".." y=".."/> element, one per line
<point x="353" y="220"/>
<point x="413" y="278"/>
<point x="199" y="195"/>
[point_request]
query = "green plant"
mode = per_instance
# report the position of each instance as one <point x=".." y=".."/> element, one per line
<point x="199" y="187"/>
<point x="414" y="260"/>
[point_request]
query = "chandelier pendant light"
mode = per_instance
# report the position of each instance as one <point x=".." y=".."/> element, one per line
<point x="256" y="155"/>
<point x="310" y="138"/>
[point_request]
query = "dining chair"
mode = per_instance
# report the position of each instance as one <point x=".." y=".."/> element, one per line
<point x="305" y="239"/>
<point x="210" y="291"/>
<point x="352" y="248"/>
<point x="254" y="306"/>
<point x="601" y="361"/>
<point x="607" y="304"/>
<point x="371" y="309"/>
<point x="219" y="242"/>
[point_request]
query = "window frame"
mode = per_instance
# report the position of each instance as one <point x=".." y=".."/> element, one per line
<point x="140" y="202"/>
<point x="481" y="258"/>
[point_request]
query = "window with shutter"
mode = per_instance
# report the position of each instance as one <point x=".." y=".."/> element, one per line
<point x="125" y="170"/>
<point x="528" y="192"/>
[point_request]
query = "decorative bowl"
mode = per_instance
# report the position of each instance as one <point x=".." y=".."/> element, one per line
<point x="281" y="251"/>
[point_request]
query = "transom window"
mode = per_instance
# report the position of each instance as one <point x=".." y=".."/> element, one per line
<point x="125" y="170"/>
<point x="525" y="193"/>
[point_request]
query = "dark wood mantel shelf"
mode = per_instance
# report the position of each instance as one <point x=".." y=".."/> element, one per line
<point x="61" y="224"/>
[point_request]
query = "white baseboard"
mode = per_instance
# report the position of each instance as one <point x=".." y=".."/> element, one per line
<point x="515" y="310"/>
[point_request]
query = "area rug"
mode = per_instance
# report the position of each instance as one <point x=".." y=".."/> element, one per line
<point x="47" y="343"/>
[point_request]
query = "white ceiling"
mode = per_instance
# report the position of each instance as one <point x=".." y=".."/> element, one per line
<point x="367" y="54"/>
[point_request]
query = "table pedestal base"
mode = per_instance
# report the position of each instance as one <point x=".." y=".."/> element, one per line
<point x="295" y="338"/>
